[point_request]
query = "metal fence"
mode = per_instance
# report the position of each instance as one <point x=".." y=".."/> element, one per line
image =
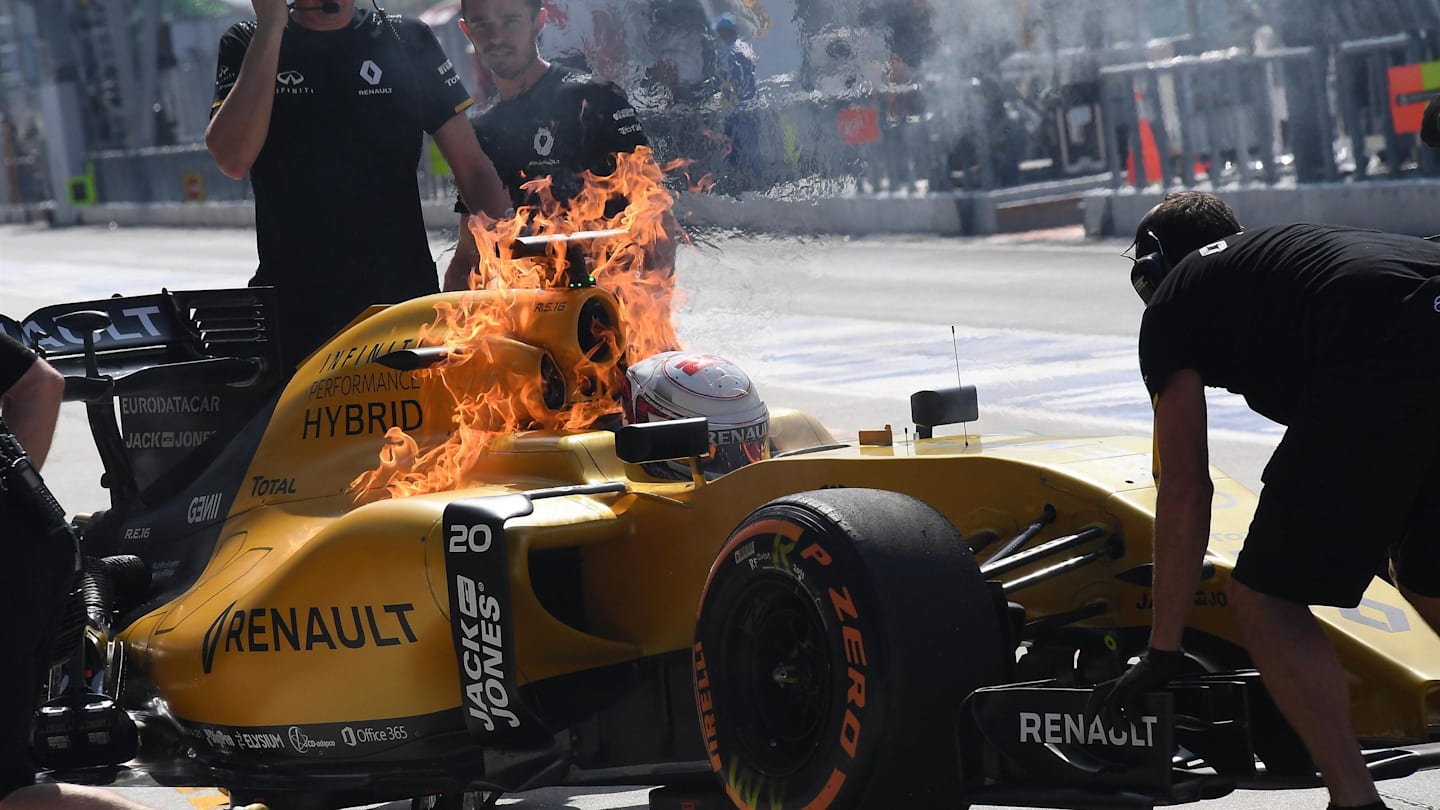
<point x="807" y="144"/>
<point x="1221" y="117"/>
<point x="1238" y="117"/>
<point x="798" y="143"/>
<point x="171" y="174"/>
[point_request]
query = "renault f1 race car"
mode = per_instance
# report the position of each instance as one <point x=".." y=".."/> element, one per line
<point x="324" y="589"/>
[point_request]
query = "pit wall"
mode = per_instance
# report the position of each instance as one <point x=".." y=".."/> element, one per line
<point x="1409" y="206"/>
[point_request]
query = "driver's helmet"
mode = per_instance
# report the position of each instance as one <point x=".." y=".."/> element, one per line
<point x="680" y="385"/>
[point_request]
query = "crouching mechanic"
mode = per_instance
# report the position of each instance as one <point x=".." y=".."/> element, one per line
<point x="1316" y="326"/>
<point x="682" y="385"/>
<point x="33" y="589"/>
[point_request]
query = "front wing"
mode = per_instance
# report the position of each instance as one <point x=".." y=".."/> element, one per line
<point x="1033" y="744"/>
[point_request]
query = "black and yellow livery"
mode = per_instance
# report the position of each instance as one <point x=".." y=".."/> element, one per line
<point x="833" y="627"/>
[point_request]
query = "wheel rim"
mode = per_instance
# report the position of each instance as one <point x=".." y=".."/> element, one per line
<point x="780" y="655"/>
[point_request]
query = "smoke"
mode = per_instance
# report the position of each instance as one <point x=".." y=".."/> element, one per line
<point x="855" y="95"/>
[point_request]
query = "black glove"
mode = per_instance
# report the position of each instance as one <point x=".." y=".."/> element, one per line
<point x="1119" y="699"/>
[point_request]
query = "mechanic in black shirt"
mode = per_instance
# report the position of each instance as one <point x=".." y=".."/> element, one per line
<point x="33" y="584"/>
<point x="325" y="107"/>
<point x="549" y="121"/>
<point x="30" y="394"/>
<point x="1319" y="328"/>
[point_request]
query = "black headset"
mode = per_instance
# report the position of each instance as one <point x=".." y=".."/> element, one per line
<point x="1149" y="270"/>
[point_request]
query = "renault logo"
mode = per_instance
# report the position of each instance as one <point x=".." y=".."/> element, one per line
<point x="290" y="77"/>
<point x="544" y="141"/>
<point x="371" y="72"/>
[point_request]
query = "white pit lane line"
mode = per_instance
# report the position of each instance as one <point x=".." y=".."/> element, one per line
<point x="1092" y="380"/>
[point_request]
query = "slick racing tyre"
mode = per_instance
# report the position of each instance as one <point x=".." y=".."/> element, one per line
<point x="838" y="632"/>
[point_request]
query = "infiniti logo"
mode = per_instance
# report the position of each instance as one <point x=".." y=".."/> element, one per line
<point x="291" y="83"/>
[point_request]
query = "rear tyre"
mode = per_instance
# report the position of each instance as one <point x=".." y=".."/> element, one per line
<point x="838" y="632"/>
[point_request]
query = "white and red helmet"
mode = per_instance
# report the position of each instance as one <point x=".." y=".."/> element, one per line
<point x="680" y="385"/>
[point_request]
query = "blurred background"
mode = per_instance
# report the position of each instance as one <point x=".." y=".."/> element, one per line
<point x="106" y="101"/>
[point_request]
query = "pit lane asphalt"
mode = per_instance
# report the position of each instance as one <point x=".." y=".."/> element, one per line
<point x="1044" y="324"/>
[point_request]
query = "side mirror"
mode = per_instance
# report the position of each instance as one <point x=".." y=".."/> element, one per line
<point x="947" y="406"/>
<point x="663" y="441"/>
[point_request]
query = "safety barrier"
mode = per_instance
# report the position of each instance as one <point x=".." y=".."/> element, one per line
<point x="1367" y="102"/>
<point x="806" y="144"/>
<point x="168" y="174"/>
<point x="1231" y="118"/>
<point x="1236" y="117"/>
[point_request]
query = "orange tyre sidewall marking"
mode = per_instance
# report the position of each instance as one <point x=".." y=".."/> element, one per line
<point x="772" y="527"/>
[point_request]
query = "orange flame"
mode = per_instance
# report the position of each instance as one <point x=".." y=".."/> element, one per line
<point x="478" y="332"/>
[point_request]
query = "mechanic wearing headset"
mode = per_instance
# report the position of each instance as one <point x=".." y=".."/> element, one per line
<point x="33" y="584"/>
<point x="549" y="121"/>
<point x="325" y="106"/>
<point x="1315" y="326"/>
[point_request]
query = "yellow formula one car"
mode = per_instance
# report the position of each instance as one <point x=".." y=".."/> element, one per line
<point x="839" y="625"/>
